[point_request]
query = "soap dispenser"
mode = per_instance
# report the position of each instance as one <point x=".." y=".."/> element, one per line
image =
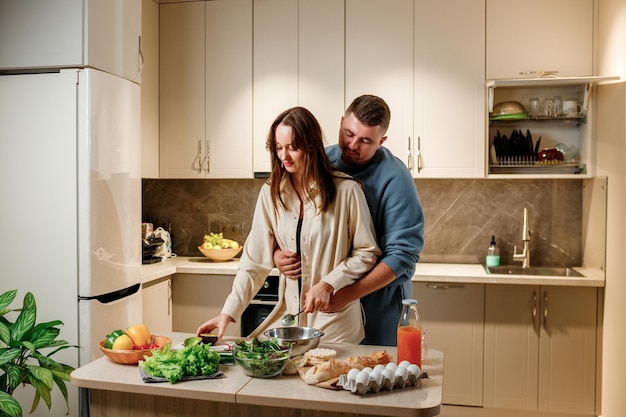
<point x="493" y="256"/>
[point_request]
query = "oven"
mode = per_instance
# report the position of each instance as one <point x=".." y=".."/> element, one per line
<point x="261" y="305"/>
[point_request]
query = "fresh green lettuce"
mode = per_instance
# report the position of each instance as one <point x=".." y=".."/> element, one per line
<point x="173" y="365"/>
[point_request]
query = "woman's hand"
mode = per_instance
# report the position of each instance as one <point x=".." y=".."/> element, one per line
<point x="317" y="297"/>
<point x="220" y="322"/>
<point x="288" y="263"/>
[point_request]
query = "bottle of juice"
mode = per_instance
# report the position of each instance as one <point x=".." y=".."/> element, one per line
<point x="410" y="333"/>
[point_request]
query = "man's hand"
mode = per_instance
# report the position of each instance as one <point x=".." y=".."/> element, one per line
<point x="288" y="263"/>
<point x="317" y="297"/>
<point x="338" y="300"/>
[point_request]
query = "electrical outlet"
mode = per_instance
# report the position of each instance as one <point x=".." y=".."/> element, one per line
<point x="231" y="228"/>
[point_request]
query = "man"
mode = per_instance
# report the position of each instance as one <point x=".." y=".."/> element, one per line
<point x="397" y="213"/>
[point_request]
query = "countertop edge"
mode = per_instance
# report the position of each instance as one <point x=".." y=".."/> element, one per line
<point x="424" y="272"/>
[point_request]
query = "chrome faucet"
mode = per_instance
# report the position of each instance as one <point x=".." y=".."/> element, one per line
<point x="524" y="256"/>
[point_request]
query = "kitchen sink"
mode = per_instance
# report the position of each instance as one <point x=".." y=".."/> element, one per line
<point x="533" y="270"/>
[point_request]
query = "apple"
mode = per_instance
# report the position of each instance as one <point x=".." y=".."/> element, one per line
<point x="207" y="245"/>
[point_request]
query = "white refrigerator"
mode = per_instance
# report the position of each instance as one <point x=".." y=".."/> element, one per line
<point x="70" y="206"/>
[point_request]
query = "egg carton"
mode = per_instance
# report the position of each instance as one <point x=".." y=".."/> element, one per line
<point x="381" y="378"/>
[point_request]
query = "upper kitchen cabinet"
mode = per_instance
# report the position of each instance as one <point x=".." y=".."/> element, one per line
<point x="297" y="62"/>
<point x="206" y="89"/>
<point x="540" y="127"/>
<point x="539" y="36"/>
<point x="102" y="34"/>
<point x="449" y="89"/>
<point x="379" y="61"/>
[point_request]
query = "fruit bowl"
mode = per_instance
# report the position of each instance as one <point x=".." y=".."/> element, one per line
<point x="220" y="255"/>
<point x="132" y="357"/>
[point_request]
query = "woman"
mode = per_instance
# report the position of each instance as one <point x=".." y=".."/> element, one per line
<point x="310" y="208"/>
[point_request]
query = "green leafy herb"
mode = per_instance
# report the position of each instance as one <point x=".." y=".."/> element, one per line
<point x="173" y="365"/>
<point x="261" y="357"/>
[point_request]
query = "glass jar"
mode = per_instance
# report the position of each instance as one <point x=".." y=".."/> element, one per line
<point x="410" y="333"/>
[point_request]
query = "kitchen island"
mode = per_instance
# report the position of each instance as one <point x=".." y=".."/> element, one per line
<point x="118" y="390"/>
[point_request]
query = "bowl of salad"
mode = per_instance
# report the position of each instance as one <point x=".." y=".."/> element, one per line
<point x="261" y="358"/>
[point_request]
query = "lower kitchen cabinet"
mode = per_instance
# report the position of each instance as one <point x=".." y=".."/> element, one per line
<point x="540" y="348"/>
<point x="156" y="299"/>
<point x="453" y="320"/>
<point x="197" y="298"/>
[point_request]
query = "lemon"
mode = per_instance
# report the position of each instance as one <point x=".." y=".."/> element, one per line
<point x="123" y="342"/>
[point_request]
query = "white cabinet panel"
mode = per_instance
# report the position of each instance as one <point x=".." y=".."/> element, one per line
<point x="182" y="108"/>
<point x="157" y="306"/>
<point x="539" y="35"/>
<point x="206" y="89"/>
<point x="449" y="89"/>
<point x="228" y="64"/>
<point x="275" y="69"/>
<point x="379" y="61"/>
<point x="453" y="320"/>
<point x="197" y="298"/>
<point x="297" y="62"/>
<point x="321" y="63"/>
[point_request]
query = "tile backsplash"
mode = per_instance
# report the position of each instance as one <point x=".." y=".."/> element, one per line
<point x="461" y="215"/>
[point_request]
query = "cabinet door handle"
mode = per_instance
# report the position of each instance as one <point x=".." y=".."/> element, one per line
<point x="534" y="309"/>
<point x="208" y="157"/>
<point x="169" y="297"/>
<point x="140" y="58"/>
<point x="443" y="286"/>
<point x="418" y="153"/>
<point x="199" y="156"/>
<point x="409" y="161"/>
<point x="545" y="310"/>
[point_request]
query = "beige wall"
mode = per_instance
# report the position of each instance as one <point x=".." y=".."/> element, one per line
<point x="611" y="162"/>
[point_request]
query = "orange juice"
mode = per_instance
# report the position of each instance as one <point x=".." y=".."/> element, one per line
<point x="410" y="345"/>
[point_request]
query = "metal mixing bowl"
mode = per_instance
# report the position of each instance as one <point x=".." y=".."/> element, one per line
<point x="301" y="338"/>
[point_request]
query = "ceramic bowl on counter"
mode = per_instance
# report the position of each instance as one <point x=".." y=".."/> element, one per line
<point x="220" y="255"/>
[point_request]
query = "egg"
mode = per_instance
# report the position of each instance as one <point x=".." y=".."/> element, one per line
<point x="363" y="377"/>
<point x="414" y="370"/>
<point x="404" y="364"/>
<point x="402" y="375"/>
<point x="366" y="369"/>
<point x="376" y="381"/>
<point x="379" y="367"/>
<point x="389" y="374"/>
<point x="389" y="379"/>
<point x="392" y="366"/>
<point x="352" y="373"/>
<point x="414" y="373"/>
<point x="376" y="377"/>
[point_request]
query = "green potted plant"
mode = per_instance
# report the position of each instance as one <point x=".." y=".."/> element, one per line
<point x="21" y="358"/>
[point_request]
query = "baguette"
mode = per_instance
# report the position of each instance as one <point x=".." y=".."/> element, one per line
<point x="371" y="360"/>
<point x="325" y="371"/>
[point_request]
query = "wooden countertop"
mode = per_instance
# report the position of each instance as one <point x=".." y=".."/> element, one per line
<point x="281" y="391"/>
<point x="424" y="272"/>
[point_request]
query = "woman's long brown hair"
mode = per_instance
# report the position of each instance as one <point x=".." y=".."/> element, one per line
<point x="308" y="138"/>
